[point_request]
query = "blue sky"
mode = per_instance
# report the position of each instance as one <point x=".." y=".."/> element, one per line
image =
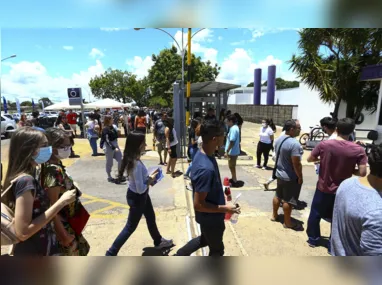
<point x="50" y="60"/>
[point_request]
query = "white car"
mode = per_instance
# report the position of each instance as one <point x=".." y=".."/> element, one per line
<point x="51" y="114"/>
<point x="7" y="125"/>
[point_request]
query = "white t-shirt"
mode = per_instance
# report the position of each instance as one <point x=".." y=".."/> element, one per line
<point x="147" y="118"/>
<point x="265" y="135"/>
<point x="333" y="136"/>
<point x="200" y="142"/>
<point x="175" y="141"/>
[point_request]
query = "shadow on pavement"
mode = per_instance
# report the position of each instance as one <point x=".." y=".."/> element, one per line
<point x="238" y="184"/>
<point x="152" y="251"/>
<point x="280" y="219"/>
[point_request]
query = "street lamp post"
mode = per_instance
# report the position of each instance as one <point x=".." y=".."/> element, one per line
<point x="12" y="56"/>
<point x="182" y="49"/>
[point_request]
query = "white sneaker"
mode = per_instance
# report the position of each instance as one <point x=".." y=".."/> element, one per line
<point x="165" y="243"/>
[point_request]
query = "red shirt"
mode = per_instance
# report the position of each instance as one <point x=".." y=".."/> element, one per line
<point x="72" y="118"/>
<point x="338" y="159"/>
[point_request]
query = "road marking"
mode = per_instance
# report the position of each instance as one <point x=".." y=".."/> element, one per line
<point x="242" y="249"/>
<point x="247" y="188"/>
<point x="103" y="209"/>
<point x="110" y="202"/>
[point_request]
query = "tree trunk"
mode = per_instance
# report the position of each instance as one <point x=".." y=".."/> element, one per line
<point x="336" y="108"/>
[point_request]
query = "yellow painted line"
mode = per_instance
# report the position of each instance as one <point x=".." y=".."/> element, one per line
<point x="91" y="201"/>
<point x="116" y="204"/>
<point x="109" y="217"/>
<point x="103" y="210"/>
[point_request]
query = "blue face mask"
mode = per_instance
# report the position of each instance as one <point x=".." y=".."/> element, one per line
<point x="44" y="155"/>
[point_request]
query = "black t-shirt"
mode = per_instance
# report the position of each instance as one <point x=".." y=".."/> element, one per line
<point x="206" y="178"/>
<point x="132" y="120"/>
<point x="191" y="135"/>
<point x="43" y="242"/>
<point x="208" y="117"/>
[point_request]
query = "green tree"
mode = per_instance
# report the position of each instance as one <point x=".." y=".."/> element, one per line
<point x="331" y="60"/>
<point x="167" y="69"/>
<point x="26" y="104"/>
<point x="120" y="86"/>
<point x="280" y="84"/>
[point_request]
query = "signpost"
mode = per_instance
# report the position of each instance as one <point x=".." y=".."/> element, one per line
<point x="75" y="98"/>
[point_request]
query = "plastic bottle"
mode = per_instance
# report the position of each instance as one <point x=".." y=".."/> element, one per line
<point x="235" y="217"/>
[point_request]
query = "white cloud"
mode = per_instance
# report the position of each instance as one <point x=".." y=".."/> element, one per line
<point x="27" y="80"/>
<point x="220" y="38"/>
<point x="197" y="44"/>
<point x="67" y="47"/>
<point x="96" y="53"/>
<point x="257" y="34"/>
<point x="140" y="66"/>
<point x="238" y="68"/>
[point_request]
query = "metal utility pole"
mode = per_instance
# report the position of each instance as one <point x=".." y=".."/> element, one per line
<point x="188" y="78"/>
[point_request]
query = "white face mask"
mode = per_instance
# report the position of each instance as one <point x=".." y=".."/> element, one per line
<point x="63" y="153"/>
<point x="264" y="125"/>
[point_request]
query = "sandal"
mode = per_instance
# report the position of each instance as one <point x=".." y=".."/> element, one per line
<point x="296" y="227"/>
<point x="275" y="219"/>
<point x="168" y="172"/>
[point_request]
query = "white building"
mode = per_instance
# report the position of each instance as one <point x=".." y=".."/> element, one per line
<point x="310" y="109"/>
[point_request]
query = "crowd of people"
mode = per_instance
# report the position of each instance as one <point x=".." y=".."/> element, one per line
<point x="49" y="217"/>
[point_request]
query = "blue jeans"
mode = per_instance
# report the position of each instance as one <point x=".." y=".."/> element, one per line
<point x="93" y="145"/>
<point x="140" y="204"/>
<point x="193" y="150"/>
<point x="322" y="208"/>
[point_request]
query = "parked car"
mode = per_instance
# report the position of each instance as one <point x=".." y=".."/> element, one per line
<point x="51" y="113"/>
<point x="46" y="122"/>
<point x="7" y="125"/>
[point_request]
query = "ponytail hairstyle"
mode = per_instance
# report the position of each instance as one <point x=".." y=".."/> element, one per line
<point x="272" y="125"/>
<point x="131" y="153"/>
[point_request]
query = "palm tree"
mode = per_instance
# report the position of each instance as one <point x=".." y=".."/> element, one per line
<point x="331" y="60"/>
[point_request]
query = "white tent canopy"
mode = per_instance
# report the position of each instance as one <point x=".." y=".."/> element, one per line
<point x="107" y="103"/>
<point x="62" y="106"/>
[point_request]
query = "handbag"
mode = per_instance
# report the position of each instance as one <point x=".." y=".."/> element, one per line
<point x="8" y="232"/>
<point x="81" y="217"/>
<point x="277" y="158"/>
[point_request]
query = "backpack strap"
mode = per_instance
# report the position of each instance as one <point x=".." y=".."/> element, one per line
<point x="13" y="182"/>
<point x="277" y="158"/>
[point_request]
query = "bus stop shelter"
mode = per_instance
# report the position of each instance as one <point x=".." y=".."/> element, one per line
<point x="209" y="94"/>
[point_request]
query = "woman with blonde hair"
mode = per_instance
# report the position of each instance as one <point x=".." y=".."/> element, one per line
<point x="56" y="181"/>
<point x="24" y="195"/>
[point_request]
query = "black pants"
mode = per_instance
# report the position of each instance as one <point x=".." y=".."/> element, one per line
<point x="141" y="130"/>
<point x="263" y="149"/>
<point x="211" y="236"/>
<point x="140" y="204"/>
